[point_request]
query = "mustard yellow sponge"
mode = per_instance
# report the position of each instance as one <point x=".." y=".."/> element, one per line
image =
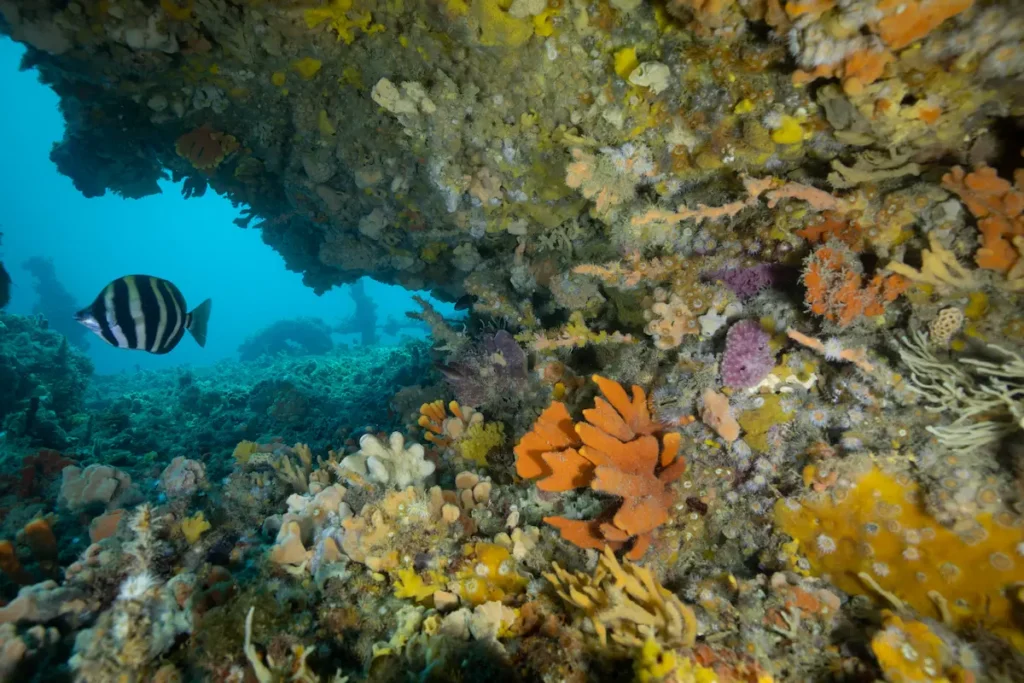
<point x="789" y="132"/>
<point x="193" y="527"/>
<point x="655" y="663"/>
<point x="307" y="67"/>
<point x="480" y="439"/>
<point x="877" y="531"/>
<point x="490" y="575"/>
<point x="410" y="585"/>
<point x="625" y="61"/>
<point x="757" y="422"/>
<point x="910" y="651"/>
<point x="342" y="19"/>
<point x="497" y="27"/>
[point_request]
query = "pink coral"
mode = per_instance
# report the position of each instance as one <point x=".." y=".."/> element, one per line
<point x="747" y="359"/>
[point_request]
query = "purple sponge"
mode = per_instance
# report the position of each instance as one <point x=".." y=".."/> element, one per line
<point x="745" y="282"/>
<point x="747" y="359"/>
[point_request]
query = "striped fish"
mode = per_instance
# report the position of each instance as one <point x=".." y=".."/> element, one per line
<point x="145" y="313"/>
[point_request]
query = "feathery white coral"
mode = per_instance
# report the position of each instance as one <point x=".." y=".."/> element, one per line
<point x="137" y="586"/>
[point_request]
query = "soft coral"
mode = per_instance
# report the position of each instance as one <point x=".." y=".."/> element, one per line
<point x="616" y="451"/>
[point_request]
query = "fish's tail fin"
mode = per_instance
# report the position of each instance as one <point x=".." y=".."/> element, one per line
<point x="198" y="319"/>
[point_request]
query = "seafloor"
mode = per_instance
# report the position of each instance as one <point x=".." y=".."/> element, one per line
<point x="740" y="395"/>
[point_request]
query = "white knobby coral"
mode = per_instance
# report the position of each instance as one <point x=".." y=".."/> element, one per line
<point x="390" y="463"/>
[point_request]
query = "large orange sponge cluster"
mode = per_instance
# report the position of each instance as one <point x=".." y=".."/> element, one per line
<point x="999" y="208"/>
<point x="876" y="535"/>
<point x="616" y="450"/>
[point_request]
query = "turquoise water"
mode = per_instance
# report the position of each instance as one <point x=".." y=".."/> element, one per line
<point x="193" y="243"/>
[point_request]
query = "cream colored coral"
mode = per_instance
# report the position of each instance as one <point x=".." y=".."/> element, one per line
<point x="411" y="99"/>
<point x="455" y="427"/>
<point x="297" y="478"/>
<point x="939" y="268"/>
<point x="491" y="620"/>
<point x="392" y="463"/>
<point x="670" y="320"/>
<point x="626" y="604"/>
<point x="409" y="521"/>
<point x="653" y="75"/>
<point x="473" y="491"/>
<point x="945" y="325"/>
<point x="300" y="528"/>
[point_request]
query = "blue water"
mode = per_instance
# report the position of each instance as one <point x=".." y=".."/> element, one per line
<point x="191" y="242"/>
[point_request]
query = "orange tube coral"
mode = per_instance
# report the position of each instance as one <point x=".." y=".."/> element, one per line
<point x="836" y="289"/>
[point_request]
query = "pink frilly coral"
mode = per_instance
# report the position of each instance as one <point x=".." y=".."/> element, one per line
<point x="747" y="359"/>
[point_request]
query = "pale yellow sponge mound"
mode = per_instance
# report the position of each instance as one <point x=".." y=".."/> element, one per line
<point x="874" y="536"/>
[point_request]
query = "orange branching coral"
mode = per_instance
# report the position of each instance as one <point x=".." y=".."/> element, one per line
<point x="831" y="226"/>
<point x="755" y="187"/>
<point x="615" y="450"/>
<point x="999" y="208"/>
<point x="837" y="291"/>
<point x="773" y="189"/>
<point x="816" y="199"/>
<point x="632" y="271"/>
<point x="858" y="356"/>
<point x="442" y="430"/>
<point x="205" y="148"/>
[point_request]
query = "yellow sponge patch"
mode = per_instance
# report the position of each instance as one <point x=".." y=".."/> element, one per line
<point x="878" y="530"/>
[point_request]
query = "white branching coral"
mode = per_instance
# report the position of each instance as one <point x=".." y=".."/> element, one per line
<point x="987" y="397"/>
<point x="392" y="464"/>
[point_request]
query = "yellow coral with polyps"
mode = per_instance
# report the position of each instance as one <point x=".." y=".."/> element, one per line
<point x="491" y="575"/>
<point x="875" y="537"/>
<point x="656" y="663"/>
<point x="480" y="440"/>
<point x="909" y="651"/>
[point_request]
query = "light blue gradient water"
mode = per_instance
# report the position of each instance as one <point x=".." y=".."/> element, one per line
<point x="191" y="242"/>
